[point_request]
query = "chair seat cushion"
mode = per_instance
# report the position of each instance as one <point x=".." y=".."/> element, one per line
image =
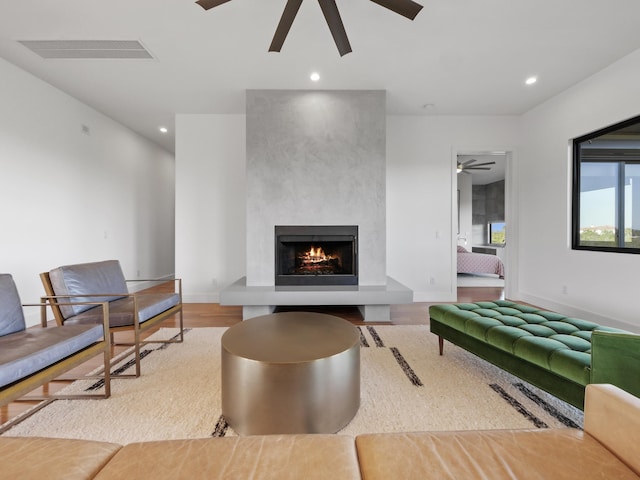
<point x="121" y="311"/>
<point x="27" y="352"/>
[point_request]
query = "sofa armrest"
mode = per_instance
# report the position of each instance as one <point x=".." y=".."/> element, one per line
<point x="612" y="416"/>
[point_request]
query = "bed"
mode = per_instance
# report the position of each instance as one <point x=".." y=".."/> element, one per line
<point x="479" y="263"/>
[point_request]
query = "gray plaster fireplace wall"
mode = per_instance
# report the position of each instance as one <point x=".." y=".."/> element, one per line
<point x="316" y="158"/>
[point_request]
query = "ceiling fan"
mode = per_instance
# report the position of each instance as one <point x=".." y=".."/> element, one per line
<point x="406" y="8"/>
<point x="468" y="166"/>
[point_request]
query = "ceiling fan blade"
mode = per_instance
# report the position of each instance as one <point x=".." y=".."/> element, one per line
<point x="475" y="168"/>
<point x="482" y="164"/>
<point x="406" y="8"/>
<point x="332" y="16"/>
<point x="469" y="161"/>
<point x="207" y="4"/>
<point x="286" y="20"/>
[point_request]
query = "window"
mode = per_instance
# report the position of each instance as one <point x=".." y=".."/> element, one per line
<point x="496" y="233"/>
<point x="606" y="189"/>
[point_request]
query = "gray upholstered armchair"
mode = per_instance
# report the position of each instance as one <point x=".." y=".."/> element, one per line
<point x="105" y="281"/>
<point x="31" y="357"/>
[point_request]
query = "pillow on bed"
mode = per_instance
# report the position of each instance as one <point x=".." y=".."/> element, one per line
<point x="461" y="249"/>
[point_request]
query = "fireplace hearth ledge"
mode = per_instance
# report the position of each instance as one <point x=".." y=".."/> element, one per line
<point x="374" y="301"/>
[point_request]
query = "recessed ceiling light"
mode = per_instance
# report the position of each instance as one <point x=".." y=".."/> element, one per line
<point x="315" y="76"/>
<point x="163" y="129"/>
<point x="531" y="80"/>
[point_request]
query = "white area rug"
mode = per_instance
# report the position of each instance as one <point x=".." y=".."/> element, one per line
<point x="405" y="386"/>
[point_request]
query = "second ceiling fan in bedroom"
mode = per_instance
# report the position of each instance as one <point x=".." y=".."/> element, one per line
<point x="469" y="166"/>
<point x="406" y="8"/>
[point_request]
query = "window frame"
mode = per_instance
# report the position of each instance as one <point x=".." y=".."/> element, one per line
<point x="576" y="185"/>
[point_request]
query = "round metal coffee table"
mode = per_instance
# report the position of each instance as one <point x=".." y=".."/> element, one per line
<point x="293" y="372"/>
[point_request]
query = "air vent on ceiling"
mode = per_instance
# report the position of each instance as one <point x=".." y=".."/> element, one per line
<point x="87" y="48"/>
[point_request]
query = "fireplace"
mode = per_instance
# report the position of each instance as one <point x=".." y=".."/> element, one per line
<point x="316" y="255"/>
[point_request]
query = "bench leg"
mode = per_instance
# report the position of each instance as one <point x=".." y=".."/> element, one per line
<point x="440" y="344"/>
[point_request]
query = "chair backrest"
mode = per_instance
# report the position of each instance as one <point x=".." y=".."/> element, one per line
<point x="11" y="314"/>
<point x="83" y="280"/>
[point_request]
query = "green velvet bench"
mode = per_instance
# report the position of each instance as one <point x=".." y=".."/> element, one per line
<point x="556" y="353"/>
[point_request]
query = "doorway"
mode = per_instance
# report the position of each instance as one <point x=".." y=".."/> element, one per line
<point x="481" y="184"/>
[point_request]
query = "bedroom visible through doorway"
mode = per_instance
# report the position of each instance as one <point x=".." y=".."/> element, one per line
<point x="482" y="226"/>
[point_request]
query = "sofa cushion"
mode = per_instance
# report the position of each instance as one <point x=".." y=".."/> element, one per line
<point x="121" y="312"/>
<point x="280" y="457"/>
<point x="557" y="454"/>
<point x="53" y="458"/>
<point x="27" y="352"/>
<point x="11" y="316"/>
<point x="84" y="279"/>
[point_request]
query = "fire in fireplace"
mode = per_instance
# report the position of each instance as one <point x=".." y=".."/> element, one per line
<point x="316" y="255"/>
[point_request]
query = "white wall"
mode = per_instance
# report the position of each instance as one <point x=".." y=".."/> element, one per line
<point x="68" y="197"/>
<point x="210" y="203"/>
<point x="602" y="286"/>
<point x="421" y="188"/>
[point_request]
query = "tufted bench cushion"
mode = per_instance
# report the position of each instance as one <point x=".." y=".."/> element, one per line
<point x="551" y="341"/>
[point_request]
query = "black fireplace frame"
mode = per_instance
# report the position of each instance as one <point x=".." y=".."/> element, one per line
<point x="319" y="234"/>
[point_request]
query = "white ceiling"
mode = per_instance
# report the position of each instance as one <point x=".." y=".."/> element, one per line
<point x="463" y="57"/>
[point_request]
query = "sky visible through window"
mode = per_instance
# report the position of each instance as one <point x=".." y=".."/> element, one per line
<point x="597" y="207"/>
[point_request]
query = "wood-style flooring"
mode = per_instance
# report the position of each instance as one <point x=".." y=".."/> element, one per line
<point x="197" y="315"/>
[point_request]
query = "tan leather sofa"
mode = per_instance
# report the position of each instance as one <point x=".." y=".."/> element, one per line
<point x="609" y="447"/>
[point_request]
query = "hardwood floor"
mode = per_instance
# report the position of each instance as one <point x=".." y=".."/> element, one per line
<point x="198" y="315"/>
